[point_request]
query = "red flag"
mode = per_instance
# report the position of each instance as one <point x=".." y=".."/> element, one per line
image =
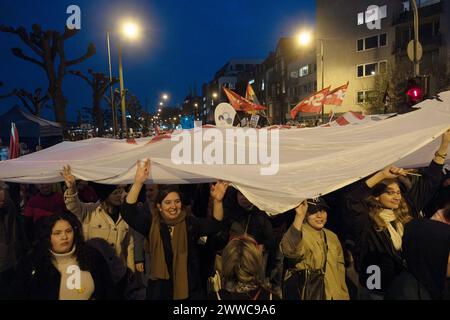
<point x="250" y="94"/>
<point x="336" y="96"/>
<point x="14" y="145"/>
<point x="311" y="104"/>
<point x="240" y="103"/>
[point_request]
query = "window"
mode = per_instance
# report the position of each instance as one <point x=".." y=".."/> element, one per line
<point x="371" y="42"/>
<point x="366" y="96"/>
<point x="360" y="44"/>
<point x="360" y="71"/>
<point x="303" y="71"/>
<point x="382" y="40"/>
<point x="360" y="97"/>
<point x="371" y="69"/>
<point x="382" y="67"/>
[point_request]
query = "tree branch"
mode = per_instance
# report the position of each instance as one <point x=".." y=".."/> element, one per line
<point x="19" y="53"/>
<point x="90" y="52"/>
<point x="82" y="76"/>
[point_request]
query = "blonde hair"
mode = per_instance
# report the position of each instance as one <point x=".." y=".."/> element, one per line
<point x="242" y="262"/>
<point x="375" y="208"/>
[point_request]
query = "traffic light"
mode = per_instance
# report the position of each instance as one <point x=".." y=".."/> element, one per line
<point x="417" y="90"/>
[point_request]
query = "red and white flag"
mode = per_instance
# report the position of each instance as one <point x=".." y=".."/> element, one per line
<point x="14" y="145"/>
<point x="240" y="103"/>
<point x="336" y="97"/>
<point x="311" y="104"/>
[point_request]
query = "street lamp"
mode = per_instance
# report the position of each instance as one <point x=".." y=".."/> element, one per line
<point x="165" y="97"/>
<point x="214" y="96"/>
<point x="111" y="94"/>
<point x="129" y="30"/>
<point x="304" y="39"/>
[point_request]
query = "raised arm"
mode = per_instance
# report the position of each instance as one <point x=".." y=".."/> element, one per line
<point x="293" y="236"/>
<point x="441" y="153"/>
<point x="208" y="226"/>
<point x="137" y="219"/>
<point x="82" y="210"/>
<point x="218" y="191"/>
<point x="425" y="187"/>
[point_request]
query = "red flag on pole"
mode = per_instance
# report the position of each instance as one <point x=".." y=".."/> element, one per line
<point x="14" y="145"/>
<point x="240" y="103"/>
<point x="250" y="94"/>
<point x="336" y="97"/>
<point x="311" y="104"/>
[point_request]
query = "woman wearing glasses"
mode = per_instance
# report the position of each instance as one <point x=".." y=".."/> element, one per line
<point x="377" y="210"/>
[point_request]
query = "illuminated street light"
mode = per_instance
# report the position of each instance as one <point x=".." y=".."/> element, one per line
<point x="165" y="96"/>
<point x="304" y="38"/>
<point x="130" y="29"/>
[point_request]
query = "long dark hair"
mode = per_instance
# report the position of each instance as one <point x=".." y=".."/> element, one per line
<point x="43" y="245"/>
<point x="402" y="213"/>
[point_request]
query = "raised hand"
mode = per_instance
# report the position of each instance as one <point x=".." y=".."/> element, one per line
<point x="301" y="210"/>
<point x="69" y="179"/>
<point x="446" y="138"/>
<point x="142" y="171"/>
<point x="392" y="172"/>
<point x="218" y="190"/>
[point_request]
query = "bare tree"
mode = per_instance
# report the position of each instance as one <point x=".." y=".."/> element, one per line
<point x="99" y="83"/>
<point x="33" y="102"/>
<point x="48" y="47"/>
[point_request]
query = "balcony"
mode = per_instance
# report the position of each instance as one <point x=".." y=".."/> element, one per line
<point x="428" y="11"/>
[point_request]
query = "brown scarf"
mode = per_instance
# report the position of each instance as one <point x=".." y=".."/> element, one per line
<point x="158" y="266"/>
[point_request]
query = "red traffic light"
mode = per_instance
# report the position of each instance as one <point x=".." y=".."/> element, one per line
<point x="414" y="92"/>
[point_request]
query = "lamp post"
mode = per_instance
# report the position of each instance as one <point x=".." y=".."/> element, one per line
<point x="122" y="94"/>
<point x="304" y="39"/>
<point x="416" y="38"/>
<point x="131" y="31"/>
<point x="111" y="94"/>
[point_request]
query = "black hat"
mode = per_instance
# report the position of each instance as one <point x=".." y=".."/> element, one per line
<point x="316" y="204"/>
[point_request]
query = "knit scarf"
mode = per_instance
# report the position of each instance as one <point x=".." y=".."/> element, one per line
<point x="158" y="266"/>
<point x="396" y="233"/>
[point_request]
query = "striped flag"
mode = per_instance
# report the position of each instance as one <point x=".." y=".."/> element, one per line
<point x="14" y="145"/>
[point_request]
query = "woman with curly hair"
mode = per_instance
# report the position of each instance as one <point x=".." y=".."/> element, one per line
<point x="62" y="266"/>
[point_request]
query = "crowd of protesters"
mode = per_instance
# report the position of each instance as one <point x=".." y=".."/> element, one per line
<point x="385" y="237"/>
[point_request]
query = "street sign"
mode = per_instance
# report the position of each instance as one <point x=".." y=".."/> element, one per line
<point x="410" y="51"/>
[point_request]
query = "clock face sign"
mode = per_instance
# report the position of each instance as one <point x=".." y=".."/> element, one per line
<point x="224" y="115"/>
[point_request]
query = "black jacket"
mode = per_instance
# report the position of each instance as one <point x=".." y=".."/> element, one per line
<point x="426" y="246"/>
<point x="36" y="279"/>
<point x="373" y="247"/>
<point x="13" y="241"/>
<point x="140" y="220"/>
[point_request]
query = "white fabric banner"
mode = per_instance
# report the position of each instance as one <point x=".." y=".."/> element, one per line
<point x="312" y="161"/>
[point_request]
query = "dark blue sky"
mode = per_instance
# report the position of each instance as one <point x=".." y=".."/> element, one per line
<point x="184" y="42"/>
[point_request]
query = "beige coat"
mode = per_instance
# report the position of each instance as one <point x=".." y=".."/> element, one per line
<point x="307" y="246"/>
<point x="98" y="224"/>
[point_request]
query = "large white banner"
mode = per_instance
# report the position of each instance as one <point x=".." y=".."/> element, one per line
<point x="306" y="163"/>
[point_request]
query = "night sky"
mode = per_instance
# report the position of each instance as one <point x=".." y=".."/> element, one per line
<point x="183" y="42"/>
